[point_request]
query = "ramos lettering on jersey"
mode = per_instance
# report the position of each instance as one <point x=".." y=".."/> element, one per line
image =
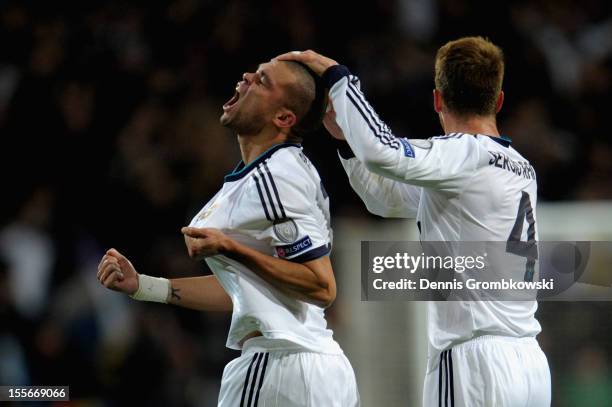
<point x="520" y="168"/>
<point x="294" y="248"/>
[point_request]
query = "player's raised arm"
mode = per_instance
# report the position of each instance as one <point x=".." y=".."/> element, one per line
<point x="204" y="293"/>
<point x="382" y="196"/>
<point x="435" y="163"/>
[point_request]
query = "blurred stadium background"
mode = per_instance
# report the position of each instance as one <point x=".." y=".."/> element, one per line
<point x="110" y="137"/>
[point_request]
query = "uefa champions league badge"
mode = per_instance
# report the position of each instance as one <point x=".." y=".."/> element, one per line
<point x="286" y="230"/>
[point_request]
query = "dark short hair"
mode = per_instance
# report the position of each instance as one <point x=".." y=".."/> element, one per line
<point x="306" y="99"/>
<point x="469" y="74"/>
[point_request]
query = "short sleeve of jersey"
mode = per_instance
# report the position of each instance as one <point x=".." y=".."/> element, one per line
<point x="297" y="207"/>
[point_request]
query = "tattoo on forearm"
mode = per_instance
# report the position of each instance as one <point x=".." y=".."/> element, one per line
<point x="174" y="294"/>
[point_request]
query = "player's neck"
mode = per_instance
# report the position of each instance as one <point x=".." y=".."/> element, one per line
<point x="252" y="146"/>
<point x="470" y="125"/>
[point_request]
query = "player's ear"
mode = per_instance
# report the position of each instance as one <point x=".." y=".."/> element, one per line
<point x="500" y="102"/>
<point x="284" y="118"/>
<point x="437" y="100"/>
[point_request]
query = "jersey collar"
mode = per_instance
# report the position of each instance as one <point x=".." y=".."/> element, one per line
<point x="503" y="140"/>
<point x="241" y="170"/>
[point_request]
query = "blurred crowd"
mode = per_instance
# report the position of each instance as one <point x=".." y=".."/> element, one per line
<point x="109" y="120"/>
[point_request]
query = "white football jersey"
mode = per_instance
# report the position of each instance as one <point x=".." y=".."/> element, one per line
<point x="276" y="205"/>
<point x="459" y="187"/>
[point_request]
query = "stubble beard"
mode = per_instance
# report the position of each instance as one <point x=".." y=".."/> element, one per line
<point x="243" y="124"/>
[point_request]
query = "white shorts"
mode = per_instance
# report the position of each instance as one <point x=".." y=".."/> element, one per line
<point x="277" y="373"/>
<point x="489" y="371"/>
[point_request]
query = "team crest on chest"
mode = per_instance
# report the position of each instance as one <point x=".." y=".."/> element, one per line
<point x="286" y="230"/>
<point x="207" y="212"/>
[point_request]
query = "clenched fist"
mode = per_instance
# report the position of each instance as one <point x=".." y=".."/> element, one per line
<point x="117" y="273"/>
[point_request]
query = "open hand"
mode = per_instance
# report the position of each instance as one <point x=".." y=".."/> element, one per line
<point x="317" y="62"/>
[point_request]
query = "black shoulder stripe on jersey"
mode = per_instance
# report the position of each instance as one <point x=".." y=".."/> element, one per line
<point x="261" y="379"/>
<point x="383" y="138"/>
<point x="278" y="200"/>
<point x="383" y="135"/>
<point x="268" y="193"/>
<point x="246" y="379"/>
<point x="382" y="125"/>
<point x="261" y="198"/>
<point x="360" y="112"/>
<point x="383" y="129"/>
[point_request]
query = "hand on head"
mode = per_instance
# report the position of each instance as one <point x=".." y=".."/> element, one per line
<point x="316" y="62"/>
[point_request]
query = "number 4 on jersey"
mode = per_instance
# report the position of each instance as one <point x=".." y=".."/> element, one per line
<point x="528" y="249"/>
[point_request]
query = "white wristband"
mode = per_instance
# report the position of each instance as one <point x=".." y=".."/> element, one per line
<point x="155" y="289"/>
